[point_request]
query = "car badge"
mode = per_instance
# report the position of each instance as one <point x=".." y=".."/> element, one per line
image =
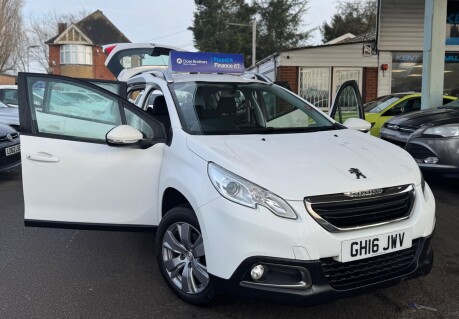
<point x="370" y="192"/>
<point x="9" y="137"/>
<point x="357" y="173"/>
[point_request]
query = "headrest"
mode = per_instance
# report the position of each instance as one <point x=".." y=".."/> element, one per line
<point x="160" y="106"/>
<point x="226" y="105"/>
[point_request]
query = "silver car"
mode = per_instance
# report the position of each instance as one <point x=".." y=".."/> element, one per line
<point x="9" y="115"/>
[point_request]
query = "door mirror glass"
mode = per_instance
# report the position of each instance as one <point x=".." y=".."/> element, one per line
<point x="124" y="135"/>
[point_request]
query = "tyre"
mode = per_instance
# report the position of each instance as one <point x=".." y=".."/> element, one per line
<point x="181" y="257"/>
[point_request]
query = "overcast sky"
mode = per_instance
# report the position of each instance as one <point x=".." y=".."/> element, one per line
<point x="162" y="21"/>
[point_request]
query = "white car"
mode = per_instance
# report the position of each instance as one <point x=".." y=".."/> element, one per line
<point x="9" y="95"/>
<point x="254" y="190"/>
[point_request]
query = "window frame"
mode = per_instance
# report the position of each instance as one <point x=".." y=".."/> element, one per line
<point x="29" y="126"/>
<point x="70" y="51"/>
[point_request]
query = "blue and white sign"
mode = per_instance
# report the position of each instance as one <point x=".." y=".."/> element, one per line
<point x="205" y="62"/>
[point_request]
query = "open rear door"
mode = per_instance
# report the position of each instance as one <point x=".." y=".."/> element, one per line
<point x="126" y="59"/>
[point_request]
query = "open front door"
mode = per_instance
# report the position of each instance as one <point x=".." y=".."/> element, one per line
<point x="347" y="107"/>
<point x="70" y="173"/>
<point x="348" y="103"/>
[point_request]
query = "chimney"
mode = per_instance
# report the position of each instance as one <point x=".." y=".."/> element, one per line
<point x="61" y="27"/>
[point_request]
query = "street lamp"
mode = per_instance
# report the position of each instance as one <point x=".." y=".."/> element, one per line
<point x="254" y="37"/>
<point x="28" y="53"/>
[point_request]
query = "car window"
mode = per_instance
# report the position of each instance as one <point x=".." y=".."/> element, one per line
<point x="380" y="104"/>
<point x="211" y="108"/>
<point x="10" y="96"/>
<point x="138" y="123"/>
<point x="56" y="112"/>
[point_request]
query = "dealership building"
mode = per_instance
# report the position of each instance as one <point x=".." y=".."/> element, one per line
<point x="386" y="60"/>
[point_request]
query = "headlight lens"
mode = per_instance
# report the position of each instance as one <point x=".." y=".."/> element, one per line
<point x="444" y="130"/>
<point x="241" y="191"/>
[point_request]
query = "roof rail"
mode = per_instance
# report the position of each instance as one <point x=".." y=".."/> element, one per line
<point x="157" y="72"/>
<point x="258" y="76"/>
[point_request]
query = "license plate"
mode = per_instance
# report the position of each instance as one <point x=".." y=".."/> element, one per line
<point x="376" y="245"/>
<point x="13" y="150"/>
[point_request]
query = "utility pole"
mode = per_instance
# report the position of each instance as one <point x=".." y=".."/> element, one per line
<point x="254" y="37"/>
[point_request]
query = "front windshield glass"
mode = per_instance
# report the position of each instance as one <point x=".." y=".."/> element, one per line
<point x="209" y="108"/>
<point x="454" y="103"/>
<point x="380" y="104"/>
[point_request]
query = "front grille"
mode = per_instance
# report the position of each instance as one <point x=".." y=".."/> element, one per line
<point x="419" y="152"/>
<point x="9" y="160"/>
<point x="398" y="143"/>
<point x="342" y="276"/>
<point x="337" y="212"/>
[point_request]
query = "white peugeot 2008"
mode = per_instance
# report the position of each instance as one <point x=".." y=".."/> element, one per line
<point x="254" y="190"/>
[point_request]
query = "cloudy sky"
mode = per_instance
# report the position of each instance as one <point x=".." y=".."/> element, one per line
<point x="162" y="21"/>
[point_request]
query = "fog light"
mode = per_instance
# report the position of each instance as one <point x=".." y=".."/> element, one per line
<point x="257" y="272"/>
<point x="431" y="160"/>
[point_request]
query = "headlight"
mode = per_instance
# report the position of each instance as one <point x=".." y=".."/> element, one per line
<point x="241" y="191"/>
<point x="444" y="130"/>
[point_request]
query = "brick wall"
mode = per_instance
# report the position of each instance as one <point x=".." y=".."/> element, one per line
<point x="96" y="71"/>
<point x="290" y="75"/>
<point x="370" y="84"/>
<point x="7" y="79"/>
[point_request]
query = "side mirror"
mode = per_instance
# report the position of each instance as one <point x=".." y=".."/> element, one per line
<point x="358" y="124"/>
<point x="123" y="135"/>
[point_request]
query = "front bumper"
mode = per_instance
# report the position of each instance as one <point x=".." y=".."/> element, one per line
<point x="9" y="162"/>
<point x="328" y="281"/>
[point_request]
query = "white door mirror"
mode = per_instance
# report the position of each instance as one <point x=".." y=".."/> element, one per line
<point x="358" y="124"/>
<point x="124" y="135"/>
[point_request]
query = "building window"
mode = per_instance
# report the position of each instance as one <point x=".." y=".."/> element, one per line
<point x="407" y="72"/>
<point x="315" y="86"/>
<point x="76" y="54"/>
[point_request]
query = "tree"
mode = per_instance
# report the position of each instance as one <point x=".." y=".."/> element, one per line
<point x="11" y="34"/>
<point x="280" y="25"/>
<point x="356" y="17"/>
<point x="41" y="28"/>
<point x="212" y="30"/>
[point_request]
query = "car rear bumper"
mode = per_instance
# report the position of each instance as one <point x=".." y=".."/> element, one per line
<point x="327" y="279"/>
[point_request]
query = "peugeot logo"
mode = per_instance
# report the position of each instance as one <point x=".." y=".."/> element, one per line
<point x="357" y="173"/>
<point x="9" y="137"/>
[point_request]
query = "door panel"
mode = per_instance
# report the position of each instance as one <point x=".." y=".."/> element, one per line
<point x="70" y="174"/>
<point x="90" y="182"/>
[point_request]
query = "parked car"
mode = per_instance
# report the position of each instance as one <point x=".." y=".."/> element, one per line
<point x="9" y="115"/>
<point x="275" y="201"/>
<point x="430" y="136"/>
<point x="10" y="149"/>
<point x="378" y="111"/>
<point x="9" y="95"/>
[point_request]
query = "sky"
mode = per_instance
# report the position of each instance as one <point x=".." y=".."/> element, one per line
<point x="163" y="21"/>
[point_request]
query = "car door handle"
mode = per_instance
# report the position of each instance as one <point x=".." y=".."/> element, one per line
<point x="43" y="157"/>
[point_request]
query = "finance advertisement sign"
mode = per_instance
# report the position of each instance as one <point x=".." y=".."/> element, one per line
<point x="206" y="62"/>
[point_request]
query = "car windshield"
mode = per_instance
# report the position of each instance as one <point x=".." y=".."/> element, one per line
<point x="454" y="103"/>
<point x="380" y="104"/>
<point x="210" y="108"/>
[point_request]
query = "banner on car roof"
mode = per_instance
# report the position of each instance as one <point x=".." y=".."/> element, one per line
<point x="206" y="62"/>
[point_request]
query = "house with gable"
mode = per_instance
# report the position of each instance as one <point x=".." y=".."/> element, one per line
<point x="76" y="51"/>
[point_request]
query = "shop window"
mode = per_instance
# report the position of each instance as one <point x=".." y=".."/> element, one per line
<point x="76" y="54"/>
<point x="315" y="86"/>
<point x="407" y="72"/>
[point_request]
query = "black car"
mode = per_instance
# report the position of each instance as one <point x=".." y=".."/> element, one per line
<point x="430" y="136"/>
<point x="10" y="149"/>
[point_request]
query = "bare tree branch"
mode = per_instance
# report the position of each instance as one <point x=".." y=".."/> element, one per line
<point x="11" y="34"/>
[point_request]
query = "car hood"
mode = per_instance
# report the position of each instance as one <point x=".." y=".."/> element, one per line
<point x="5" y="129"/>
<point x="432" y="117"/>
<point x="307" y="164"/>
<point x="371" y="117"/>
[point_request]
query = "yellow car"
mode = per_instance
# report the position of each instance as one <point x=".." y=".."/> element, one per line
<point x="378" y="111"/>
